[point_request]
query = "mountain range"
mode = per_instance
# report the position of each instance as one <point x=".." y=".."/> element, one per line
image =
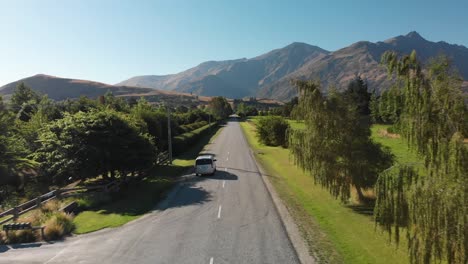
<point x="267" y="75"/>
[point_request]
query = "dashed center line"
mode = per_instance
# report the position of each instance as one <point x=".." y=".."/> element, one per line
<point x="219" y="212"/>
<point x="211" y="260"/>
<point x="224" y="182"/>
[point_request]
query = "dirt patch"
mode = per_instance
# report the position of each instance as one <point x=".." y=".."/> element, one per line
<point x="384" y="133"/>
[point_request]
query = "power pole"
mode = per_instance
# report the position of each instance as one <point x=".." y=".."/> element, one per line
<point x="169" y="137"/>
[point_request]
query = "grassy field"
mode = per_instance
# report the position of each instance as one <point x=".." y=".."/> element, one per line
<point x="397" y="145"/>
<point x="140" y="197"/>
<point x="336" y="233"/>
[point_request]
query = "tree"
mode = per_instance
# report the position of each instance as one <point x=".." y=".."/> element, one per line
<point x="272" y="131"/>
<point x="22" y="95"/>
<point x="429" y="199"/>
<point x="335" y="145"/>
<point x="220" y="108"/>
<point x="96" y="143"/>
<point x="287" y="109"/>
<point x="358" y="94"/>
<point x="13" y="151"/>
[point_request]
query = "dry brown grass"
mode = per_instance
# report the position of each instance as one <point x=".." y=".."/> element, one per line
<point x="59" y="225"/>
<point x="385" y="133"/>
<point x="50" y="206"/>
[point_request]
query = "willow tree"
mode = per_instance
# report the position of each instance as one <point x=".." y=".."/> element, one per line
<point x="429" y="200"/>
<point x="335" y="145"/>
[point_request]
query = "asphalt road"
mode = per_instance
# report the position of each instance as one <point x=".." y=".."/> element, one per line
<point x="225" y="218"/>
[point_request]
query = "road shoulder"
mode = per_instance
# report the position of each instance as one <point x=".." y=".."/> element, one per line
<point x="292" y="230"/>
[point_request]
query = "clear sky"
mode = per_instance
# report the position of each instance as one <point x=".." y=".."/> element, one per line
<point x="109" y="41"/>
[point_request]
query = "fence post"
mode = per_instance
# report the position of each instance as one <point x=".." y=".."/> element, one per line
<point x="58" y="193"/>
<point x="15" y="213"/>
<point x="38" y="202"/>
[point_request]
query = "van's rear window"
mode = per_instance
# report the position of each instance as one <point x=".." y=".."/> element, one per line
<point x="203" y="162"/>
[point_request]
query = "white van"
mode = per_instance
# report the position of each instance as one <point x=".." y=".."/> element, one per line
<point x="205" y="165"/>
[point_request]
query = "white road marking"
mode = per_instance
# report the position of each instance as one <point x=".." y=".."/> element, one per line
<point x="227" y="158"/>
<point x="219" y="212"/>
<point x="211" y="260"/>
<point x="224" y="183"/>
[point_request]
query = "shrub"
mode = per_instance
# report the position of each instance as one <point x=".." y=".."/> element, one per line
<point x="272" y="131"/>
<point x="58" y="225"/>
<point x="36" y="217"/>
<point x="50" y="206"/>
<point x="53" y="230"/>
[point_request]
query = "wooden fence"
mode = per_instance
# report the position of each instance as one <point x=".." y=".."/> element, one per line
<point x="15" y="212"/>
<point x="21" y="209"/>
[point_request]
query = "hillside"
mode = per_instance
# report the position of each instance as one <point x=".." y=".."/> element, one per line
<point x="235" y="78"/>
<point x="269" y="75"/>
<point x="62" y="88"/>
<point x="363" y="58"/>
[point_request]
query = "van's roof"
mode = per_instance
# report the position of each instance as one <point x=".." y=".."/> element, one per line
<point x="205" y="157"/>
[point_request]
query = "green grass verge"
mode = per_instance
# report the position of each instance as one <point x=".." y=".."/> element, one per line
<point x="140" y="197"/>
<point x="334" y="232"/>
<point x="397" y="145"/>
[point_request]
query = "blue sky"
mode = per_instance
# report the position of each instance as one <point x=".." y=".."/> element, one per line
<point x="109" y="41"/>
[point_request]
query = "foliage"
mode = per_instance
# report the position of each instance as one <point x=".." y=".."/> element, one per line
<point x="358" y="94"/>
<point x="388" y="107"/>
<point x="180" y="142"/>
<point x="333" y="233"/>
<point x="432" y="204"/>
<point x="220" y="108"/>
<point x="13" y="150"/>
<point x="272" y="131"/>
<point x="23" y="95"/>
<point x="335" y="145"/>
<point x="91" y="144"/>
<point x="59" y="225"/>
<point x="244" y="110"/>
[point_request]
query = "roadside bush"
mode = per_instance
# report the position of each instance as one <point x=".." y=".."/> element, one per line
<point x="272" y="131"/>
<point x="59" y="225"/>
<point x="50" y="206"/>
<point x="193" y="126"/>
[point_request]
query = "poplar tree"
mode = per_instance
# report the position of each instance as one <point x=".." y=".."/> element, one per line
<point x="430" y="199"/>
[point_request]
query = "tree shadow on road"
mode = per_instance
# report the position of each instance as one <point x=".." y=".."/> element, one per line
<point x="220" y="175"/>
<point x="189" y="195"/>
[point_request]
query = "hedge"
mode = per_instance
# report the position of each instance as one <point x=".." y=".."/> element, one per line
<point x="193" y="126"/>
<point x="180" y="142"/>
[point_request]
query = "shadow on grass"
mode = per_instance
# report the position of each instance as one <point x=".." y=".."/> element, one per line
<point x="366" y="209"/>
<point x="137" y="198"/>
